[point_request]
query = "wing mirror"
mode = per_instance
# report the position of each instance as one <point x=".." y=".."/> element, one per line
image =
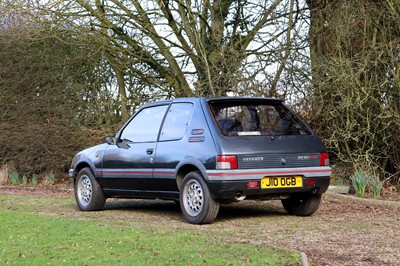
<point x="110" y="140"/>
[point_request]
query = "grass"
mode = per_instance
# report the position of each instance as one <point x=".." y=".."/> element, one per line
<point x="33" y="239"/>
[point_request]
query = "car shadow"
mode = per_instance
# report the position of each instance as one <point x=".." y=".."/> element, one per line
<point x="240" y="210"/>
<point x="145" y="205"/>
<point x="249" y="209"/>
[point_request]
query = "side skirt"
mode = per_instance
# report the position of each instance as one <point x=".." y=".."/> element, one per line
<point x="141" y="194"/>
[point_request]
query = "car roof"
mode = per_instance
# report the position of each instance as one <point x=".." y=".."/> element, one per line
<point x="243" y="99"/>
<point x="216" y="99"/>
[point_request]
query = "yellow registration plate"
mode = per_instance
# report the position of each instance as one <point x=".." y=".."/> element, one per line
<point x="281" y="182"/>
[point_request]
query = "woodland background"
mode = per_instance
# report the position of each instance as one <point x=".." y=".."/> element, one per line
<point x="71" y="72"/>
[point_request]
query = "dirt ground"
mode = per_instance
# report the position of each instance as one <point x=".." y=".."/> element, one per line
<point x="345" y="230"/>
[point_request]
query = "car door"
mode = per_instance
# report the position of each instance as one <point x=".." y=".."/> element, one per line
<point x="172" y="148"/>
<point x="128" y="164"/>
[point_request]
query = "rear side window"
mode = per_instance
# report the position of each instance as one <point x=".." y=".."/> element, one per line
<point x="176" y="122"/>
<point x="246" y="119"/>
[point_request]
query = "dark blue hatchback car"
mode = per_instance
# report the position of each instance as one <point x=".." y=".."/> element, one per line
<point x="204" y="152"/>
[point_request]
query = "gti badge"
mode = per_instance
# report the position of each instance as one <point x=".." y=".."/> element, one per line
<point x="283" y="161"/>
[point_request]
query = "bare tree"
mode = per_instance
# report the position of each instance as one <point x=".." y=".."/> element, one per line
<point x="355" y="48"/>
<point x="148" y="50"/>
<point x="194" y="47"/>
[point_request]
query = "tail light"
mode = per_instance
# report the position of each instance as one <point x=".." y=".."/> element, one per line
<point x="226" y="162"/>
<point x="324" y="159"/>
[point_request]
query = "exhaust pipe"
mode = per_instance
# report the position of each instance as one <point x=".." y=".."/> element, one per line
<point x="239" y="196"/>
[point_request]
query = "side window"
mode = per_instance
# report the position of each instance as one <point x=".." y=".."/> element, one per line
<point x="176" y="122"/>
<point x="144" y="127"/>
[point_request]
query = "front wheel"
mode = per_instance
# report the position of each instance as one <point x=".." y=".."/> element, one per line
<point x="88" y="194"/>
<point x="196" y="203"/>
<point x="302" y="204"/>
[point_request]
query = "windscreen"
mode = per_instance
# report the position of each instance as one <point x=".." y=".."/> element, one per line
<point x="249" y="119"/>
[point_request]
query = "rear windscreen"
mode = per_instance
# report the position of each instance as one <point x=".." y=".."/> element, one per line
<point x="244" y="119"/>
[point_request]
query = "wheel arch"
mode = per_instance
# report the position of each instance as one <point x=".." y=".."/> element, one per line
<point x="80" y="166"/>
<point x="188" y="166"/>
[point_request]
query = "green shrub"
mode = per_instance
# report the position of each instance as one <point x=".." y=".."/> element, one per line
<point x="376" y="185"/>
<point x="34" y="180"/>
<point x="25" y="180"/>
<point x="52" y="178"/>
<point x="360" y="182"/>
<point x="14" y="178"/>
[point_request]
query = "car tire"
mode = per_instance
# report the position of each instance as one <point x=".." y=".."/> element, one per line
<point x="197" y="205"/>
<point x="88" y="194"/>
<point x="303" y="204"/>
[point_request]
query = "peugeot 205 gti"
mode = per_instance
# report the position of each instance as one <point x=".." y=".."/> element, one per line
<point x="203" y="152"/>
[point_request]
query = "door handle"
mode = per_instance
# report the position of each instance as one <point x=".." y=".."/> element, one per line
<point x="149" y="151"/>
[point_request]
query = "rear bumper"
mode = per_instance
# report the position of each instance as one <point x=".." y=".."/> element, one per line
<point x="229" y="184"/>
<point x="230" y="189"/>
